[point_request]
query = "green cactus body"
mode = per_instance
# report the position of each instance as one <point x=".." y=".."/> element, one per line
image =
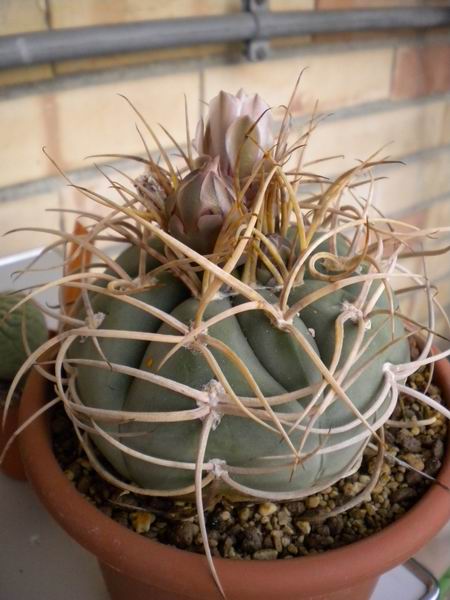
<point x="274" y="359"/>
<point x="321" y="316"/>
<point x="12" y="349"/>
<point x="107" y="389"/>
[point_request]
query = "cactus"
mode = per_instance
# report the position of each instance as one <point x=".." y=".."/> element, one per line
<point x="280" y="407"/>
<point x="27" y="324"/>
<point x="248" y="341"/>
<point x="277" y="364"/>
<point x="314" y="381"/>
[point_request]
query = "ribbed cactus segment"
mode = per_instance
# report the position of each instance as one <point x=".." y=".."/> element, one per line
<point x="379" y="343"/>
<point x="235" y="440"/>
<point x="108" y="389"/>
<point x="27" y="318"/>
<point x="274" y="360"/>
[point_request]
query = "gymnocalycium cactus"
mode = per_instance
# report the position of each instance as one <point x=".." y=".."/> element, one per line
<point x="248" y="341"/>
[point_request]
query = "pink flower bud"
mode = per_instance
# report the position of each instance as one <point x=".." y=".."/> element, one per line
<point x="238" y="131"/>
<point x="197" y="209"/>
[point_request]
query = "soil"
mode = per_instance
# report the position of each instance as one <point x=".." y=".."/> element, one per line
<point x="269" y="530"/>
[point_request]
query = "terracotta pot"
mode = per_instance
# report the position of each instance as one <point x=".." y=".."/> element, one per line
<point x="12" y="463"/>
<point x="136" y="567"/>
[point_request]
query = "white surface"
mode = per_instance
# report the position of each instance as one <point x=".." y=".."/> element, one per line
<point x="41" y="562"/>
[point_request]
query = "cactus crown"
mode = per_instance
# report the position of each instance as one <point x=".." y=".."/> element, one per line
<point x="249" y="340"/>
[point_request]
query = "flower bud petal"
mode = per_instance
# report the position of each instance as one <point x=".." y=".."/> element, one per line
<point x="229" y="119"/>
<point x="242" y="146"/>
<point x="197" y="209"/>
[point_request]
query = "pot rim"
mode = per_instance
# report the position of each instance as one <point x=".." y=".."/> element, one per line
<point x="148" y="561"/>
<point x="12" y="463"/>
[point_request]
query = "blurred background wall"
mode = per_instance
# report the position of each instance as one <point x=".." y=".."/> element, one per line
<point x="380" y="88"/>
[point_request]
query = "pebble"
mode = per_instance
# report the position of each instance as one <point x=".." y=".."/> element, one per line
<point x="185" y="533"/>
<point x="276" y="537"/>
<point x="415" y="461"/>
<point x="408" y="441"/>
<point x="412" y="478"/>
<point x="438" y="449"/>
<point x="433" y="465"/>
<point x="142" y="521"/>
<point x="353" y="489"/>
<point x="253" y="540"/>
<point x="296" y="508"/>
<point x="69" y="474"/>
<point x="267" y="508"/>
<point x="304" y="527"/>
<point x="402" y="494"/>
<point x="244" y="514"/>
<point x="284" y="518"/>
<point x="227" y="545"/>
<point x="313" y="501"/>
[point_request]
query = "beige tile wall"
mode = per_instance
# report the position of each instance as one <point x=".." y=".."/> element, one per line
<point x="368" y="74"/>
<point x="22" y="16"/>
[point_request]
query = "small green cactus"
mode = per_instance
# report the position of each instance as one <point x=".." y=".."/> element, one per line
<point x="27" y="321"/>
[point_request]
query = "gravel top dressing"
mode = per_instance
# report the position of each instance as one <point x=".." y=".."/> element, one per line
<point x="268" y="530"/>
